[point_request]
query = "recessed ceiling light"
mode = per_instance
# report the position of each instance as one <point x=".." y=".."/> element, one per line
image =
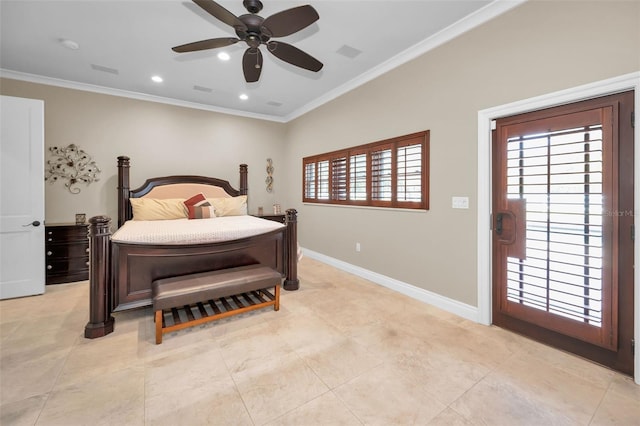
<point x="244" y="97"/>
<point x="157" y="79"/>
<point x="224" y="56"/>
<point x="69" y="44"/>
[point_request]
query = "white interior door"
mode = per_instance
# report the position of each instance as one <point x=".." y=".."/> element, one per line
<point x="22" y="257"/>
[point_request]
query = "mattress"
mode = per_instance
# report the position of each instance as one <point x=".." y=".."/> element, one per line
<point x="197" y="231"/>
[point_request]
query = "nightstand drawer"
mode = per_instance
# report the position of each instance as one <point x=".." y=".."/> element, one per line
<point x="67" y="277"/>
<point x="57" y="251"/>
<point x="62" y="233"/>
<point x="73" y="264"/>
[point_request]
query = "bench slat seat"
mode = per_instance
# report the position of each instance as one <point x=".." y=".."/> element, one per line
<point x="207" y="287"/>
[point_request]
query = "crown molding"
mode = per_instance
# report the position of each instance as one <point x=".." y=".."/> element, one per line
<point x="33" y="78"/>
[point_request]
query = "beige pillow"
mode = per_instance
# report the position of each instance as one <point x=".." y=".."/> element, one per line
<point x="157" y="209"/>
<point x="229" y="206"/>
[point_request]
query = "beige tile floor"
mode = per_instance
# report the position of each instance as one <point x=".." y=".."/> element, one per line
<point x="341" y="351"/>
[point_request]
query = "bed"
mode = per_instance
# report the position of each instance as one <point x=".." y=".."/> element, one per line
<point x="122" y="269"/>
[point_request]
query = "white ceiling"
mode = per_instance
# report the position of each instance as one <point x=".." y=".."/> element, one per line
<point x="132" y="40"/>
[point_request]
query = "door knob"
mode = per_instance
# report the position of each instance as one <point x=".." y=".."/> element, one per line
<point x="34" y="223"/>
<point x="499" y="218"/>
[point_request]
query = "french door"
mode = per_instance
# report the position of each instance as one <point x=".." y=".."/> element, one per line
<point x="563" y="227"/>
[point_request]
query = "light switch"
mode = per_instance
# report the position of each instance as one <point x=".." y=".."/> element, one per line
<point x="460" y="202"/>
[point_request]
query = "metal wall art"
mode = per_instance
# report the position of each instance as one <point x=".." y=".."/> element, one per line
<point x="71" y="165"/>
<point x="269" y="179"/>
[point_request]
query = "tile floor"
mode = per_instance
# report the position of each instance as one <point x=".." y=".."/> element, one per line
<point x="341" y="351"/>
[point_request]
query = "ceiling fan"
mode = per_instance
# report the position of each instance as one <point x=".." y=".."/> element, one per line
<point x="255" y="31"/>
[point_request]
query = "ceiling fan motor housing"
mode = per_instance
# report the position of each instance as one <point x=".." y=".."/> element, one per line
<point x="253" y="35"/>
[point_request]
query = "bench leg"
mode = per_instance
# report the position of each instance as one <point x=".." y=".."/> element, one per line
<point x="158" y="319"/>
<point x="276" y="305"/>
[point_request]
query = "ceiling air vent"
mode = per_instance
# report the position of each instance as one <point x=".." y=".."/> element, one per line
<point x="348" y="51"/>
<point x="202" y="89"/>
<point x="105" y="69"/>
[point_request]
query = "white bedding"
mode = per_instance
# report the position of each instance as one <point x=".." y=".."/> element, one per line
<point x="198" y="231"/>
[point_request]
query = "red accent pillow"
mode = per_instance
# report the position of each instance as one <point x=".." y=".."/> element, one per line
<point x="199" y="207"/>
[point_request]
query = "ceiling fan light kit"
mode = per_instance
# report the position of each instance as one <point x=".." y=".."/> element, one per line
<point x="255" y="31"/>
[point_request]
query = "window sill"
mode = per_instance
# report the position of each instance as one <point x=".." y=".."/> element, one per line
<point x="348" y="206"/>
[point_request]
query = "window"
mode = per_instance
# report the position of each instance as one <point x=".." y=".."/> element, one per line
<point x="390" y="173"/>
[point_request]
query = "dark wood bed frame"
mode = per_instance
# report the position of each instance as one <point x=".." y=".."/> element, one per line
<point x="121" y="274"/>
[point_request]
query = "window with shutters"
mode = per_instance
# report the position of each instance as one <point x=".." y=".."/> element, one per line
<point x="390" y="173"/>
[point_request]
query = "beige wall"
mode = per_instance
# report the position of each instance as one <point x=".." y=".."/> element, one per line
<point x="537" y="48"/>
<point x="160" y="140"/>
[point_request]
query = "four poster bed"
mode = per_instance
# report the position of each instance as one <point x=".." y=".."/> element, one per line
<point x="124" y="265"/>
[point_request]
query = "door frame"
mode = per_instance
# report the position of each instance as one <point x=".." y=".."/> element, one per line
<point x="485" y="119"/>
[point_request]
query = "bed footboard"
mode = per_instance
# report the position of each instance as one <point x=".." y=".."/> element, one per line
<point x="104" y="285"/>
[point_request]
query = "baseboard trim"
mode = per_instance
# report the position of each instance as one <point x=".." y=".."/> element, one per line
<point x="450" y="305"/>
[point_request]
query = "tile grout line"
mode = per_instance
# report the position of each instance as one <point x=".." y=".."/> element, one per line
<point x="235" y="384"/>
<point x="604" y="395"/>
<point x="55" y="382"/>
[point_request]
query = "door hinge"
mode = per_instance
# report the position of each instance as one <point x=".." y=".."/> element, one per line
<point x="633" y="232"/>
<point x="633" y="346"/>
<point x="633" y="119"/>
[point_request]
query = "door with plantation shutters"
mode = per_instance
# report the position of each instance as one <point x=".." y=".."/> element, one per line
<point x="563" y="227"/>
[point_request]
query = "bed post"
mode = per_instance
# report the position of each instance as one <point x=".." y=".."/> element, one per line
<point x="291" y="281"/>
<point x="100" y="320"/>
<point x="243" y="179"/>
<point x="123" y="189"/>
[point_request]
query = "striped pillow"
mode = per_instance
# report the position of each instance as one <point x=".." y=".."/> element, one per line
<point x="199" y="208"/>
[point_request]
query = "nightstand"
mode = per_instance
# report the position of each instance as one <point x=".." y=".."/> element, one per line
<point x="66" y="252"/>
<point x="274" y="217"/>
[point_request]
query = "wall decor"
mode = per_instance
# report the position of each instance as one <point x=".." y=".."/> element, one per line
<point x="269" y="179"/>
<point x="71" y="165"/>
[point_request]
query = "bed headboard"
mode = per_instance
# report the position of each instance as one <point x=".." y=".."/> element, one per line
<point x="172" y="187"/>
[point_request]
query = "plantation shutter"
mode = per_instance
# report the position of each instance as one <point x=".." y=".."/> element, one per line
<point x="409" y="172"/>
<point x="560" y="175"/>
<point x="310" y="181"/>
<point x="339" y="178"/>
<point x="358" y="177"/>
<point x="381" y="175"/>
<point x="323" y="180"/>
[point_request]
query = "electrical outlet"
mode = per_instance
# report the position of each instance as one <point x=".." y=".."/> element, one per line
<point x="358" y="247"/>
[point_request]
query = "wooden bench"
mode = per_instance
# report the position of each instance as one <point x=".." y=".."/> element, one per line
<point x="194" y="299"/>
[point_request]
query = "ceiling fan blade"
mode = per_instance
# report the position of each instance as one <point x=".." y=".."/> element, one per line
<point x="221" y="13"/>
<point x="294" y="56"/>
<point x="211" y="43"/>
<point x="252" y="64"/>
<point x="289" y="21"/>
